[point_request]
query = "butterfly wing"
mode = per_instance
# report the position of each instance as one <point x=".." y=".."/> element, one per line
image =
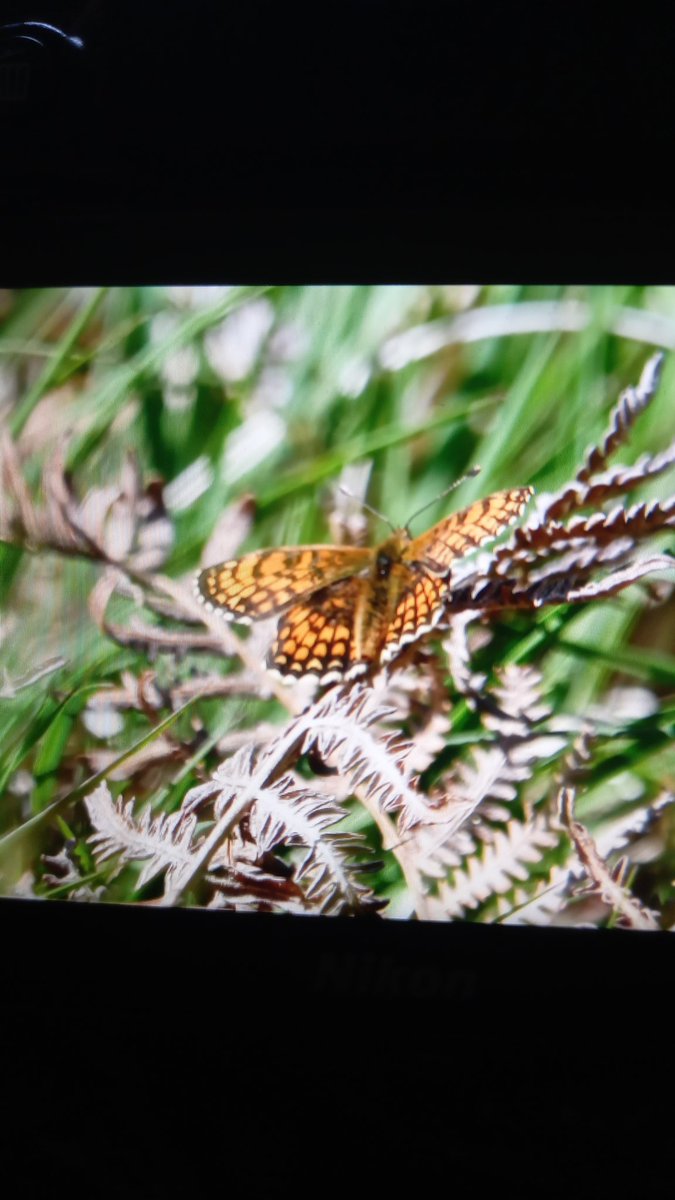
<point x="463" y="531"/>
<point x="324" y="635"/>
<point x="420" y="607"/>
<point x="264" y="583"/>
<point x="422" y="603"/>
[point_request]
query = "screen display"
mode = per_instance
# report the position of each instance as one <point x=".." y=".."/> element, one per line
<point x="340" y="600"/>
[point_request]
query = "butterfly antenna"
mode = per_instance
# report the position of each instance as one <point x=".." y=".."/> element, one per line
<point x="380" y="516"/>
<point x="458" y="482"/>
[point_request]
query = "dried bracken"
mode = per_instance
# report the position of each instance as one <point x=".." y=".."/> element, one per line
<point x="551" y="561"/>
<point x="124" y="524"/>
<point x="257" y="804"/>
<point x="467" y="814"/>
<point x="494" y="867"/>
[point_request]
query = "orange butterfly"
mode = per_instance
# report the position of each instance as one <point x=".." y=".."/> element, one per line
<point x="347" y="609"/>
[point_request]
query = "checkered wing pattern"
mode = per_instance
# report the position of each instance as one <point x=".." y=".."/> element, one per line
<point x="346" y="609"/>
<point x="318" y="636"/>
<point x="463" y="531"/>
<point x="419" y="609"/>
<point x="264" y="583"/>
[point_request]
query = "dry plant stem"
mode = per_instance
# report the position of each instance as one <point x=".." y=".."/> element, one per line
<point x="407" y="856"/>
<point x="220" y="688"/>
<point x="550" y="899"/>
<point x="608" y="884"/>
<point x="260" y="735"/>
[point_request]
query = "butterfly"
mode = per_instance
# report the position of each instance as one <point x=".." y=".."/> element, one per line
<point x="348" y="609"/>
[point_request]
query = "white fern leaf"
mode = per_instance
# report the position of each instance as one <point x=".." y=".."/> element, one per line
<point x="501" y="864"/>
<point x="290" y="813"/>
<point x="165" y="841"/>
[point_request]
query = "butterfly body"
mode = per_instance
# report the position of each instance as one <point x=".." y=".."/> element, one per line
<point x="348" y="609"/>
<point x="373" y="599"/>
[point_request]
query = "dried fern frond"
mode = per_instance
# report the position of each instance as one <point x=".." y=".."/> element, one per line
<point x="117" y="523"/>
<point x="616" y="481"/>
<point x="493" y="869"/>
<point x="549" y="561"/>
<point x="631" y="403"/>
<point x="64" y="877"/>
<point x="277" y="807"/>
<point x="475" y="799"/>
<point x="291" y="815"/>
<point x="344" y="730"/>
<point x="241" y="852"/>
<point x="164" y="843"/>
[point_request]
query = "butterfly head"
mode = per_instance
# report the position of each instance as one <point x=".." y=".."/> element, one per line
<point x="390" y="552"/>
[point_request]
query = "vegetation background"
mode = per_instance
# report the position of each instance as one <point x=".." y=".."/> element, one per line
<point x="276" y="394"/>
